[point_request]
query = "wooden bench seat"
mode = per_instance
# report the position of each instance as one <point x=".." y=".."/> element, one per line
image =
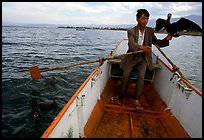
<point x="117" y="72"/>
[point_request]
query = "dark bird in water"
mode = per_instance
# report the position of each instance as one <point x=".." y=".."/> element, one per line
<point x="174" y="28"/>
<point x="35" y="111"/>
<point x="47" y="105"/>
<point x="37" y="107"/>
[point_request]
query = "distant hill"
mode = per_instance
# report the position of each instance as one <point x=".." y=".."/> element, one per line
<point x="31" y="25"/>
<point x="152" y="22"/>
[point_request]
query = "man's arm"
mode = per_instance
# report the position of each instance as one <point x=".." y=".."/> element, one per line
<point x="161" y="43"/>
<point x="169" y="37"/>
<point x="133" y="46"/>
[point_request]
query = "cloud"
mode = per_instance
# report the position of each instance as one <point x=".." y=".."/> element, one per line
<point x="92" y="12"/>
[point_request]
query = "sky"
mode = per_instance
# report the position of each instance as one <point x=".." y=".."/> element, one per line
<point x="85" y="13"/>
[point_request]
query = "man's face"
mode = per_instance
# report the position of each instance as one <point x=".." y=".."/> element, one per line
<point x="143" y="20"/>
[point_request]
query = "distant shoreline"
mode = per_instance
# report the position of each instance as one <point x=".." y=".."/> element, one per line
<point x="192" y="33"/>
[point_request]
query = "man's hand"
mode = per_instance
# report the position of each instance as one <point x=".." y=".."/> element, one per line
<point x="169" y="37"/>
<point x="146" y="49"/>
<point x="101" y="60"/>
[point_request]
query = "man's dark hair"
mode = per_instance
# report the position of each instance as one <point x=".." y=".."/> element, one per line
<point x="142" y="11"/>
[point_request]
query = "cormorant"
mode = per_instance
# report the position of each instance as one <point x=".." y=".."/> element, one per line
<point x="38" y="106"/>
<point x="180" y="25"/>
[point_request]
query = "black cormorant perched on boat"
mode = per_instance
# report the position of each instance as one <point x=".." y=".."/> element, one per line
<point x="174" y="28"/>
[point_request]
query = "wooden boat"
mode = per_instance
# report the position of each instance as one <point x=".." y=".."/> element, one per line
<point x="172" y="106"/>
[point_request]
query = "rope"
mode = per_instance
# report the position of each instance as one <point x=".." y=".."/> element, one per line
<point x="174" y="67"/>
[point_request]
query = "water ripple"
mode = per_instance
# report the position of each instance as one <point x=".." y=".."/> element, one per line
<point x="23" y="47"/>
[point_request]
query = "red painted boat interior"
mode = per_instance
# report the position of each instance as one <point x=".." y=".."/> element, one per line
<point x="122" y="120"/>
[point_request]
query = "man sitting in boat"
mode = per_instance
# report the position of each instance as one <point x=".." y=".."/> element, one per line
<point x="140" y="37"/>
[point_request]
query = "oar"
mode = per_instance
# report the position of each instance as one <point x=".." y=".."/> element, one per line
<point x="35" y="72"/>
<point x="175" y="68"/>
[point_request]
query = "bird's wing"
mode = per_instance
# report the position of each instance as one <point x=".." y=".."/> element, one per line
<point x="160" y="23"/>
<point x="184" y="24"/>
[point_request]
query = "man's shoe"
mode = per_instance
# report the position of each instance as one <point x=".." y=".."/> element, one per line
<point x="138" y="105"/>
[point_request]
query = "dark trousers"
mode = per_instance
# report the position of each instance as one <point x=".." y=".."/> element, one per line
<point x="141" y="65"/>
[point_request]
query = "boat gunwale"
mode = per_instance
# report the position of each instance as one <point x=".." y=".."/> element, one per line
<point x="67" y="105"/>
<point x="64" y="109"/>
<point x="186" y="82"/>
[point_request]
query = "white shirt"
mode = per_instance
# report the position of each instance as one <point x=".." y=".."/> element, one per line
<point x="141" y="38"/>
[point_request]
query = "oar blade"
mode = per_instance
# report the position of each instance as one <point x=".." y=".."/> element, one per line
<point x="35" y="72"/>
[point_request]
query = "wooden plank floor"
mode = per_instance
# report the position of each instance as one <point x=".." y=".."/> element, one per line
<point x="122" y="120"/>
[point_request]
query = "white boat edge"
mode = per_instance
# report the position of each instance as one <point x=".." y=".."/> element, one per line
<point x="185" y="103"/>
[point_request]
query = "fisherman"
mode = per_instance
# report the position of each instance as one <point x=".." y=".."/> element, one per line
<point x="140" y="37"/>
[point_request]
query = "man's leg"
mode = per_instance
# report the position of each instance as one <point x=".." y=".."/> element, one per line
<point x="125" y="81"/>
<point x="141" y="67"/>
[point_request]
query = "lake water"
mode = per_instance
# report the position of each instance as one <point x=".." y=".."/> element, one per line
<point x="23" y="47"/>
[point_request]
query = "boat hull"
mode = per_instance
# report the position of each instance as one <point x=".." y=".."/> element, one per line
<point x="122" y="120"/>
<point x="169" y="105"/>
